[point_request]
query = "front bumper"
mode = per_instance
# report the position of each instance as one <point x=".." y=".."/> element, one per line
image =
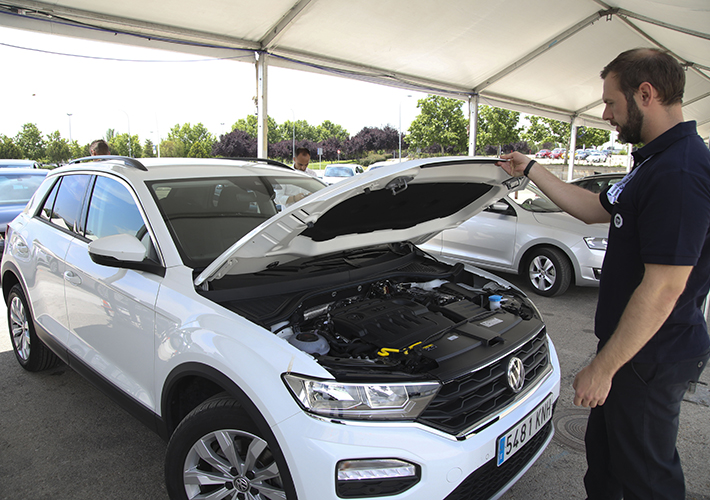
<point x="449" y="468"/>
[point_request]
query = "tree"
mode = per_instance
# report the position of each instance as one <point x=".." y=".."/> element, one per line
<point x="30" y="140"/>
<point x="8" y="148"/>
<point x="236" y="144"/>
<point x="497" y="127"/>
<point x="441" y="122"/>
<point x="77" y="151"/>
<point x="57" y="149"/>
<point x="373" y="139"/>
<point x="119" y="146"/>
<point x="590" y="137"/>
<point x="546" y="132"/>
<point x="170" y="149"/>
<point x="186" y="136"/>
<point x="200" y="149"/>
<point x="328" y="129"/>
<point x="148" y="149"/>
<point x="304" y="131"/>
<point x="282" y="150"/>
<point x="250" y="125"/>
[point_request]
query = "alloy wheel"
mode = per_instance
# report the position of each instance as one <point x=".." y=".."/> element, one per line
<point x="232" y="464"/>
<point x="543" y="273"/>
<point x="20" y="329"/>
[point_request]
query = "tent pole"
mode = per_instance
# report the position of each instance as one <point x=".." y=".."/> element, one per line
<point x="261" y="105"/>
<point x="572" y="146"/>
<point x="472" y="123"/>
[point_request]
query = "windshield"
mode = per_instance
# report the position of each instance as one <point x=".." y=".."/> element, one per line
<point x="208" y="215"/>
<point x="338" y="172"/>
<point x="17" y="189"/>
<point x="533" y="200"/>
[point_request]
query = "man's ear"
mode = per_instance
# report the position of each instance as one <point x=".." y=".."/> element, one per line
<point x="646" y="93"/>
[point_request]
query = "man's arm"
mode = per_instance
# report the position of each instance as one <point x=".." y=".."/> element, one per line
<point x="576" y="201"/>
<point x="647" y="310"/>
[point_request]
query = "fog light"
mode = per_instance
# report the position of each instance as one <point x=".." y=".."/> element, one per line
<point x="375" y="477"/>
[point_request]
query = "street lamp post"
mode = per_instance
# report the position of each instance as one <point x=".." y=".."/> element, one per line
<point x="69" y="115"/>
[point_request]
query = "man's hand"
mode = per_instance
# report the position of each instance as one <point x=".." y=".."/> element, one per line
<point x="516" y="164"/>
<point x="591" y="386"/>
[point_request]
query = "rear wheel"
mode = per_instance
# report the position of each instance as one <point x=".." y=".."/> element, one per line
<point x="218" y="452"/>
<point x="29" y="350"/>
<point x="548" y="271"/>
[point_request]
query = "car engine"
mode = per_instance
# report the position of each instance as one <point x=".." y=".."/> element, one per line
<point x="411" y="326"/>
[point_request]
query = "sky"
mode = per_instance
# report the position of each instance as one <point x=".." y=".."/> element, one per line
<point x="147" y="91"/>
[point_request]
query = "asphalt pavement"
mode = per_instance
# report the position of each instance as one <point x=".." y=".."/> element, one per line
<point x="60" y="438"/>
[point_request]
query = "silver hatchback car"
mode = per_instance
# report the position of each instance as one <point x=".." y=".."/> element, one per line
<point x="527" y="234"/>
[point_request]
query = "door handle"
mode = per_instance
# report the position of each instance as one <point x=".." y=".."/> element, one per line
<point x="72" y="277"/>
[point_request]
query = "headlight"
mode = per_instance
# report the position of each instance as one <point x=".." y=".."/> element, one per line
<point x="398" y="401"/>
<point x="595" y="243"/>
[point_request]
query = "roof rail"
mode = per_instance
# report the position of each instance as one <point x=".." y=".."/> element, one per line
<point x="259" y="160"/>
<point x="130" y="162"/>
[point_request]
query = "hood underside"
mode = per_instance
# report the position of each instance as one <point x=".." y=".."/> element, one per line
<point x="409" y="201"/>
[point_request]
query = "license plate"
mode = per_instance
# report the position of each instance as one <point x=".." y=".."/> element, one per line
<point x="517" y="437"/>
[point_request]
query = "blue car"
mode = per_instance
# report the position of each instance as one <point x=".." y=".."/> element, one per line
<point x="17" y="185"/>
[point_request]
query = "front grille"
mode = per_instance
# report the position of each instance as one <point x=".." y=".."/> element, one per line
<point x="487" y="480"/>
<point x="470" y="399"/>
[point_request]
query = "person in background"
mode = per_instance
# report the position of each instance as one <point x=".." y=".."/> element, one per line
<point x="653" y="340"/>
<point x="301" y="161"/>
<point x="99" y="148"/>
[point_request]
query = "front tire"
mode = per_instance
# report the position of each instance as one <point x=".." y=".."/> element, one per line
<point x="29" y="350"/>
<point x="218" y="452"/>
<point x="548" y="272"/>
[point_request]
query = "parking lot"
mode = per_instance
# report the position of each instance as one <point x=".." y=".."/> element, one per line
<point x="60" y="438"/>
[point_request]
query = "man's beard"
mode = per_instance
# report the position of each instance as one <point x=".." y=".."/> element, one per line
<point x="630" y="132"/>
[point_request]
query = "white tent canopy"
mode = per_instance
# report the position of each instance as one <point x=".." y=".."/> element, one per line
<point x="541" y="57"/>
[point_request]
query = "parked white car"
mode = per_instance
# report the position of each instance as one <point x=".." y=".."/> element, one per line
<point x="340" y="171"/>
<point x="312" y="353"/>
<point x="527" y="234"/>
<point x="596" y="157"/>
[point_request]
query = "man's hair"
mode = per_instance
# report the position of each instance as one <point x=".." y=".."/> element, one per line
<point x="303" y="151"/>
<point x="659" y="68"/>
<point x="99" y="147"/>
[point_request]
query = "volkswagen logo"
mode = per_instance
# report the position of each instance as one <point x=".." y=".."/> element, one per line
<point x="241" y="484"/>
<point x="516" y="374"/>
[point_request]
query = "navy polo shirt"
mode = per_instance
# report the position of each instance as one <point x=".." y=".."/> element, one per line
<point x="662" y="216"/>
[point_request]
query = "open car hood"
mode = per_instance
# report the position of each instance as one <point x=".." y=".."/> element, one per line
<point x="408" y="201"/>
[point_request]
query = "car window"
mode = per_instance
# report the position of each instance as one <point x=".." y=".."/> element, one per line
<point x="18" y="188"/>
<point x="533" y="200"/>
<point x="207" y="216"/>
<point x="112" y="210"/>
<point x="63" y="206"/>
<point x="338" y="172"/>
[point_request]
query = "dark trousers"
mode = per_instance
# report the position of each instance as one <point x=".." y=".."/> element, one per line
<point x="631" y="439"/>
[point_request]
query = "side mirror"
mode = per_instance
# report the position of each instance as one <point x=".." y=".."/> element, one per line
<point x="499" y="206"/>
<point x="123" y="251"/>
<point x="121" y="247"/>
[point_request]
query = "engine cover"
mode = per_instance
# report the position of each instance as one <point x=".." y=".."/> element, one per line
<point x="395" y="323"/>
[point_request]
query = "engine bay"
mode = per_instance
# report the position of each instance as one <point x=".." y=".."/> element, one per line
<point x="390" y="311"/>
<point x="411" y="326"/>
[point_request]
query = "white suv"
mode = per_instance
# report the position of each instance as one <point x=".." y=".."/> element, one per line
<point x="287" y="350"/>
